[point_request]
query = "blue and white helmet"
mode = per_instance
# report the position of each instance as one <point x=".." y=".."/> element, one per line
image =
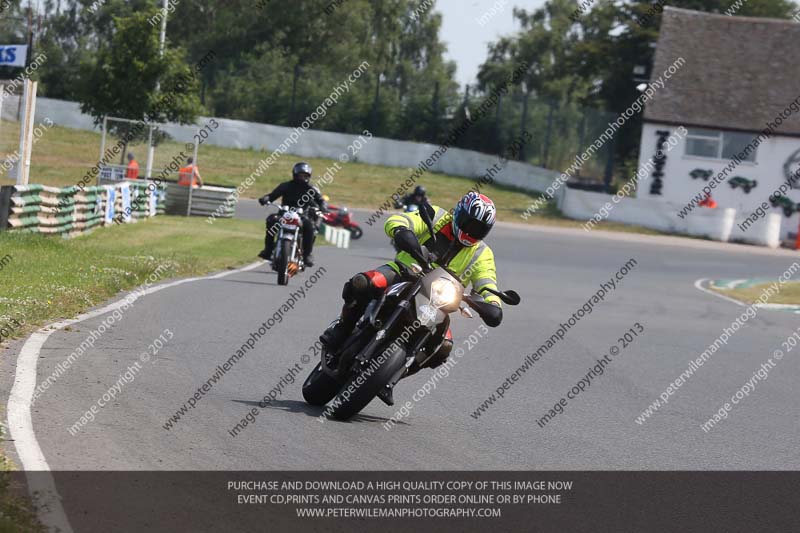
<point x="473" y="218"/>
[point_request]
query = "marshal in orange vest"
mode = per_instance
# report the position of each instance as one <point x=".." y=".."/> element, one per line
<point x="190" y="175"/>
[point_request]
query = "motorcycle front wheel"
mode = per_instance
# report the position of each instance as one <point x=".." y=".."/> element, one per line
<point x="353" y="397"/>
<point x="319" y="388"/>
<point x="282" y="262"/>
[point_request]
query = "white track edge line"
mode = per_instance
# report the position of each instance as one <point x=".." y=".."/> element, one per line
<point x="20" y="423"/>
<point x="699" y="285"/>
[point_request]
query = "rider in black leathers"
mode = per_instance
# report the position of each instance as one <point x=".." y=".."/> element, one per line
<point x="418" y="197"/>
<point x="298" y="192"/>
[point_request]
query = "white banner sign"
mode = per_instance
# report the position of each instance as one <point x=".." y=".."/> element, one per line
<point x="13" y="55"/>
<point x="111" y="200"/>
<point x="125" y="192"/>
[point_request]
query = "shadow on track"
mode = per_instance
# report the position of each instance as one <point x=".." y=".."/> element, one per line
<point x="294" y="406"/>
<point x="267" y="282"/>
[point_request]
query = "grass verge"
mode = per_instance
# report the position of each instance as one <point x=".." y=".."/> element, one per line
<point x="789" y="293"/>
<point x="62" y="157"/>
<point x="43" y="278"/>
<point x="16" y="509"/>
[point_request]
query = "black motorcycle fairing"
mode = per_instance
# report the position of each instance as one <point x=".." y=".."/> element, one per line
<point x="390" y="341"/>
<point x="432" y="343"/>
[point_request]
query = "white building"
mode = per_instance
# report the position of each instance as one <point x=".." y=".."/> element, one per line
<point x="740" y="74"/>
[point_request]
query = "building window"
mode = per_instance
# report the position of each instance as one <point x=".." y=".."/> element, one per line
<point x="718" y="144"/>
<point x="703" y="143"/>
<point x="734" y="143"/>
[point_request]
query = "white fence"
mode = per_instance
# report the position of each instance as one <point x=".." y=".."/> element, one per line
<point x="338" y="237"/>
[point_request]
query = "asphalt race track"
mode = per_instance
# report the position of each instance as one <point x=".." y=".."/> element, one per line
<point x="555" y="271"/>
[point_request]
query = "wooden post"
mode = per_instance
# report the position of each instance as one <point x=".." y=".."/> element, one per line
<point x="2" y="97"/>
<point x="5" y="205"/>
<point x="149" y="169"/>
<point x="26" y="133"/>
<point x="101" y="160"/>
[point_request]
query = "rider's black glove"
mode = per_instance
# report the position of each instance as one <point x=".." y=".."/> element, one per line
<point x="406" y="241"/>
<point x="263" y="200"/>
<point x="492" y="315"/>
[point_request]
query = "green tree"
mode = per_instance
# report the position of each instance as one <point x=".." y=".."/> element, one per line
<point x="122" y="78"/>
<point x="546" y="47"/>
<point x="277" y="64"/>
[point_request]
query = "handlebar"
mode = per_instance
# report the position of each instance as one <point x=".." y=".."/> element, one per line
<point x="309" y="209"/>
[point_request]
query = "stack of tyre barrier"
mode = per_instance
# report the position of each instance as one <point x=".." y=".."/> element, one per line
<point x="147" y="199"/>
<point x="71" y="211"/>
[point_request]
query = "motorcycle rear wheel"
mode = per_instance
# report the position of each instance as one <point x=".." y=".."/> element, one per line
<point x="356" y="232"/>
<point x="371" y="384"/>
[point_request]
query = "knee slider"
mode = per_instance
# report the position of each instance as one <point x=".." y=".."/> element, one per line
<point x="360" y="283"/>
<point x="356" y="287"/>
<point x="347" y="291"/>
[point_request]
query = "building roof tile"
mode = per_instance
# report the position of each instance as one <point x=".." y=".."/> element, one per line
<point x="740" y="72"/>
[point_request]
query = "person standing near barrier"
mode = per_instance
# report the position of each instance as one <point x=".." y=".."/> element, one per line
<point x="132" y="172"/>
<point x="190" y="175"/>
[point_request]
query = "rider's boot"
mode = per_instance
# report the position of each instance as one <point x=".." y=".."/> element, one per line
<point x="269" y="245"/>
<point x="333" y="338"/>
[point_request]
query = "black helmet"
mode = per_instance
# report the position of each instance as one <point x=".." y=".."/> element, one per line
<point x="301" y="171"/>
<point x="419" y="190"/>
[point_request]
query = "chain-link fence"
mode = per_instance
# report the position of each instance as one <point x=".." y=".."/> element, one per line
<point x="544" y="132"/>
<point x="554" y="134"/>
<point x="135" y="149"/>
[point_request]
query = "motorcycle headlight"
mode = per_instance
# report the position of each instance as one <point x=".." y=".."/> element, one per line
<point x="443" y="293"/>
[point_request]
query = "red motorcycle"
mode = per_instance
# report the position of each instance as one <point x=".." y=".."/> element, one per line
<point x="340" y="217"/>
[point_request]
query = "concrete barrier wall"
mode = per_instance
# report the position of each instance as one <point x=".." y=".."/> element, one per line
<point x="765" y="232"/>
<point x="324" y="144"/>
<point x="716" y="224"/>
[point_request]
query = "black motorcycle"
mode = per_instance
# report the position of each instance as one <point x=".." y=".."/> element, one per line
<point x="397" y="335"/>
